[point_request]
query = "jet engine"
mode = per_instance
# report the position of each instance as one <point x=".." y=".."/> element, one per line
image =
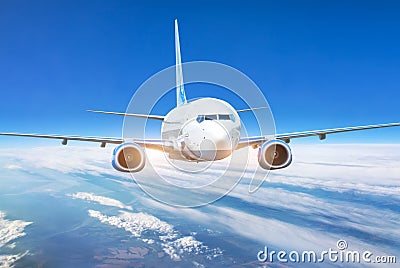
<point x="128" y="157"/>
<point x="274" y="154"/>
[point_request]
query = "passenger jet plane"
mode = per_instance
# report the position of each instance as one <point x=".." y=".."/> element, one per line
<point x="208" y="129"/>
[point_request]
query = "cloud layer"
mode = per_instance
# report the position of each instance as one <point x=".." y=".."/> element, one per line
<point x="330" y="192"/>
<point x="10" y="231"/>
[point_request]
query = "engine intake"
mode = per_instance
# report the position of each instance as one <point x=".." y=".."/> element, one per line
<point x="128" y="157"/>
<point x="274" y="154"/>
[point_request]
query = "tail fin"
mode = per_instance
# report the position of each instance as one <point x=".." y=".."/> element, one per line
<point x="180" y="90"/>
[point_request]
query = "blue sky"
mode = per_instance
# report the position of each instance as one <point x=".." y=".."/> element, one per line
<point x="320" y="64"/>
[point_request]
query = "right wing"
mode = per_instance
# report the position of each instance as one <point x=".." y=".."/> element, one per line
<point x="251" y="109"/>
<point x="286" y="137"/>
<point x="156" y="144"/>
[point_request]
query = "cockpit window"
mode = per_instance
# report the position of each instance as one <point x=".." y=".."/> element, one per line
<point x="200" y="118"/>
<point x="211" y="117"/>
<point x="224" y="117"/>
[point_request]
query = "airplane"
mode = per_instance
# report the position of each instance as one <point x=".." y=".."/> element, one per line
<point x="205" y="129"/>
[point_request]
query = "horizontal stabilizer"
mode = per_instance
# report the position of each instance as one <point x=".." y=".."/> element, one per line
<point x="148" y="116"/>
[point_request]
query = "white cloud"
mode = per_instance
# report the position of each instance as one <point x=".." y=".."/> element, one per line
<point x="282" y="234"/>
<point x="320" y="208"/>
<point x="167" y="237"/>
<point x="245" y="224"/>
<point x="9" y="231"/>
<point x="303" y="188"/>
<point x="65" y="159"/>
<point x="105" y="201"/>
<point x="363" y="168"/>
<point x="351" y="163"/>
<point x="12" y="166"/>
<point x="365" y="164"/>
<point x="9" y="260"/>
<point x="135" y="223"/>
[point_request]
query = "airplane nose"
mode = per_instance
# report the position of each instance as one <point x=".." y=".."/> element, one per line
<point x="209" y="140"/>
<point x="207" y="150"/>
<point x="218" y="135"/>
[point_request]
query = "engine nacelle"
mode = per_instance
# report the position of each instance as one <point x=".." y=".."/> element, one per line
<point x="128" y="157"/>
<point x="274" y="154"/>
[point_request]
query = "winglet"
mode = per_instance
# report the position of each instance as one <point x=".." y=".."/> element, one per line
<point x="180" y="90"/>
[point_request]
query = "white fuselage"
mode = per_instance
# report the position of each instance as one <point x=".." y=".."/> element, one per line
<point x="205" y="129"/>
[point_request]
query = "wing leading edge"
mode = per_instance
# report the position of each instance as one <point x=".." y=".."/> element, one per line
<point x="255" y="141"/>
<point x="147" y="116"/>
<point x="148" y="143"/>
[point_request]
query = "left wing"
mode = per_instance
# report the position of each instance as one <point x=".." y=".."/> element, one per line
<point x="147" y="116"/>
<point x="150" y="143"/>
<point x="255" y="141"/>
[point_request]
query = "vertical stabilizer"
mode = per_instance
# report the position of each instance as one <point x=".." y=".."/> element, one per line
<point x="180" y="90"/>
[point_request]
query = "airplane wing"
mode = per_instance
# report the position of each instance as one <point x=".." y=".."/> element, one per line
<point x="256" y="141"/>
<point x="251" y="109"/>
<point x="148" y="143"/>
<point x="147" y="116"/>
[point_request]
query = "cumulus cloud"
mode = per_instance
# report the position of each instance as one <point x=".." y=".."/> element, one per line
<point x="9" y="231"/>
<point x="135" y="223"/>
<point x="148" y="228"/>
<point x="167" y="237"/>
<point x="102" y="200"/>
